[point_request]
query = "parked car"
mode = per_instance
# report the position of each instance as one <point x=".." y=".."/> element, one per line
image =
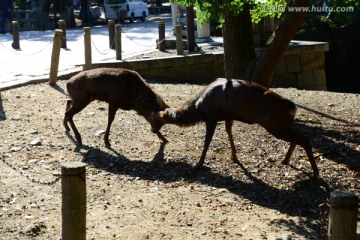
<point x="122" y="10"/>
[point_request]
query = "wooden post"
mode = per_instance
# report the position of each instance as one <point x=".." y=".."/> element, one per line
<point x="15" y="32"/>
<point x="73" y="209"/>
<point x="87" y="44"/>
<point x="62" y="26"/>
<point x="343" y="216"/>
<point x="179" y="41"/>
<point x="55" y="56"/>
<point x="111" y="28"/>
<point x="190" y="29"/>
<point x="118" y="41"/>
<point x="161" y="41"/>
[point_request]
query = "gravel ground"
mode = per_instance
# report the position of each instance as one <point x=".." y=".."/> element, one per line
<point x="143" y="189"/>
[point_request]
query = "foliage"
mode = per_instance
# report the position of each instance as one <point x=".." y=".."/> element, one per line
<point x="19" y="4"/>
<point x="273" y="8"/>
<point x="216" y="9"/>
<point x="318" y="26"/>
<point x="342" y="18"/>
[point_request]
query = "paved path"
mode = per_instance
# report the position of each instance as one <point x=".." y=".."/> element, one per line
<point x="32" y="62"/>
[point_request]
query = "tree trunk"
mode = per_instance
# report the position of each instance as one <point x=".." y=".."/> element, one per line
<point x="239" y="48"/>
<point x="265" y="66"/>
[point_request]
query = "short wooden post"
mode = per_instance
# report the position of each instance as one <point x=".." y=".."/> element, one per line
<point x="179" y="41"/>
<point x="62" y="26"/>
<point x="15" y="32"/>
<point x="161" y="41"/>
<point x="111" y="28"/>
<point x="343" y="216"/>
<point x="190" y="29"/>
<point x="118" y="41"/>
<point x="73" y="209"/>
<point x="55" y="56"/>
<point x="87" y="44"/>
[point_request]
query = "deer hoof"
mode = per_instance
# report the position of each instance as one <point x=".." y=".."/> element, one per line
<point x="198" y="165"/>
<point x="236" y="161"/>
<point x="285" y="162"/>
<point x="316" y="175"/>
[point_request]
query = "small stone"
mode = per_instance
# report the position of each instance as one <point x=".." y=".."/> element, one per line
<point x="99" y="132"/>
<point x="16" y="118"/>
<point x="33" y="132"/>
<point x="36" y="142"/>
<point x="223" y="190"/>
<point x="15" y="149"/>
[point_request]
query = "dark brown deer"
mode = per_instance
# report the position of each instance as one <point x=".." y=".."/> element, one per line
<point x="248" y="102"/>
<point x="121" y="88"/>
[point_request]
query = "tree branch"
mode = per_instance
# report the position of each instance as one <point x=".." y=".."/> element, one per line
<point x="264" y="68"/>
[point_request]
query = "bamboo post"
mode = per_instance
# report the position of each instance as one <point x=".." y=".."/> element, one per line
<point x="73" y="209"/>
<point x="15" y="32"/>
<point x="87" y="44"/>
<point x="179" y="41"/>
<point x="62" y="26"/>
<point x="161" y="41"/>
<point x="118" y="41"/>
<point x="343" y="216"/>
<point x="55" y="56"/>
<point x="111" y="29"/>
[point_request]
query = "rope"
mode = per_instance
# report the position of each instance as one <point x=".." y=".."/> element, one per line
<point x="29" y="177"/>
<point x="27" y="54"/>
<point x="148" y="46"/>
<point x="103" y="53"/>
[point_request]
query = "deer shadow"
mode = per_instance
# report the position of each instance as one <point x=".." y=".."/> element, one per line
<point x="331" y="143"/>
<point x="299" y="201"/>
<point x="2" y="111"/>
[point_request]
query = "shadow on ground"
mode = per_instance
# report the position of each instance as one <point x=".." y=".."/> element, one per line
<point x="299" y="201"/>
<point x="2" y="111"/>
<point x="333" y="144"/>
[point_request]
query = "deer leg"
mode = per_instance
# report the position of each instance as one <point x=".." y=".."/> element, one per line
<point x="309" y="152"/>
<point x="69" y="114"/>
<point x="228" y="126"/>
<point x="210" y="128"/>
<point x="68" y="104"/>
<point x="111" y="117"/>
<point x="289" y="153"/>
<point x="161" y="137"/>
<point x="297" y="139"/>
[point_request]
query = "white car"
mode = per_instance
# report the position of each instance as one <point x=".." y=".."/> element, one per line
<point x="126" y="10"/>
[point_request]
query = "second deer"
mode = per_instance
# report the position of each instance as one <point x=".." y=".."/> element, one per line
<point x="248" y="102"/>
<point x="121" y="88"/>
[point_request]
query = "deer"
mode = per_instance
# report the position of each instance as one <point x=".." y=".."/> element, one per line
<point x="120" y="88"/>
<point x="239" y="100"/>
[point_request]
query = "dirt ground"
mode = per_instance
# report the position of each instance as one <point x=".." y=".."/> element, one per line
<point x="143" y="189"/>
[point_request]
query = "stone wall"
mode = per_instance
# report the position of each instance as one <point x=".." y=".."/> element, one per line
<point x="302" y="67"/>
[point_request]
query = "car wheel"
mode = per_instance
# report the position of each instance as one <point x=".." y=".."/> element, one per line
<point x="143" y="17"/>
<point x="132" y="17"/>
